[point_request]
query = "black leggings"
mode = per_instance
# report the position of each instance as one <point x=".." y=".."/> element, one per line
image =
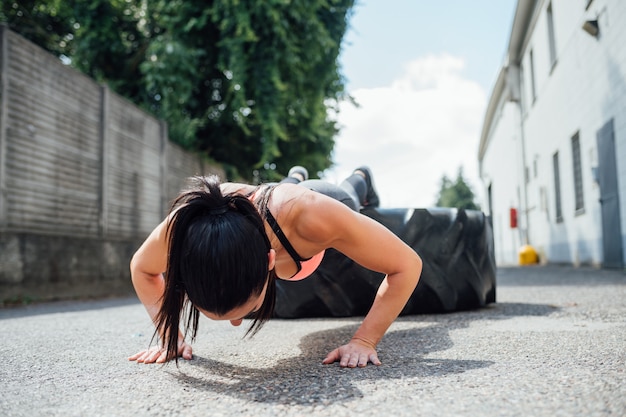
<point x="351" y="192"/>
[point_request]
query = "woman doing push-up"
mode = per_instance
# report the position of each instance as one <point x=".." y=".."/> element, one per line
<point x="222" y="247"/>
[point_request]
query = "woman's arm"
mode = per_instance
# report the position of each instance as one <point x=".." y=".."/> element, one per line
<point x="146" y="268"/>
<point x="370" y="244"/>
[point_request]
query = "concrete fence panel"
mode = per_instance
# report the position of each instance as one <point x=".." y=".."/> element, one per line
<point x="84" y="177"/>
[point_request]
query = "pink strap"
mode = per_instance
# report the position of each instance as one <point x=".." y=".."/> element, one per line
<point x="308" y="267"/>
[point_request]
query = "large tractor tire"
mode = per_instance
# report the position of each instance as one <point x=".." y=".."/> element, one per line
<point x="459" y="272"/>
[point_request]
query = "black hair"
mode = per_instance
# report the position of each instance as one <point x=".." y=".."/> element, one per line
<point x="217" y="260"/>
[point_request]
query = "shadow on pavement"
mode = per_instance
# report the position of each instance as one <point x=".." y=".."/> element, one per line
<point x="53" y="307"/>
<point x="303" y="380"/>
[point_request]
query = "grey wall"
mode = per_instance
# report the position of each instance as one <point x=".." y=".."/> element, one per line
<point x="84" y="177"/>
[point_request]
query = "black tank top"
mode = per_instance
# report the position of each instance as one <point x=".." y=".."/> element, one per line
<point x="284" y="241"/>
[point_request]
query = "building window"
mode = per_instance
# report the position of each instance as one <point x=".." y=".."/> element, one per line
<point x="578" y="172"/>
<point x="557" y="187"/>
<point x="533" y="91"/>
<point x="551" y="39"/>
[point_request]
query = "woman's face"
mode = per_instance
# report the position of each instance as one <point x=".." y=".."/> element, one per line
<point x="236" y="315"/>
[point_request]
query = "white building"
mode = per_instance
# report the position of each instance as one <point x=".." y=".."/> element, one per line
<point x="553" y="143"/>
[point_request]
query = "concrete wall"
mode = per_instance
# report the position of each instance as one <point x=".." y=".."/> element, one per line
<point x="84" y="177"/>
<point x="575" y="94"/>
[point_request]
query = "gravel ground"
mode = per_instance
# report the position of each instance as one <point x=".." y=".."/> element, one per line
<point x="553" y="345"/>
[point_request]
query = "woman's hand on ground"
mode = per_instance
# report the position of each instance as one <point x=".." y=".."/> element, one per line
<point x="157" y="354"/>
<point x="356" y="353"/>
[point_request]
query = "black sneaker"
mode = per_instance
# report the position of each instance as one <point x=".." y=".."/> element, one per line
<point x="299" y="170"/>
<point x="371" y="197"/>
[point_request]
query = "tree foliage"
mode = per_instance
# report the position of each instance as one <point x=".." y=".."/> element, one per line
<point x="250" y="83"/>
<point x="457" y="194"/>
<point x="43" y="22"/>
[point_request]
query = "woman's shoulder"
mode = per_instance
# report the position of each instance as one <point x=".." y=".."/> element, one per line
<point x="307" y="210"/>
<point x="237" y="188"/>
<point x="289" y="196"/>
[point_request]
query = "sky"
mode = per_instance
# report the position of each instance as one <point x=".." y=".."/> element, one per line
<point x="421" y="72"/>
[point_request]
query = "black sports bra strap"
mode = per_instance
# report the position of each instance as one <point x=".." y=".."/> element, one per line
<point x="283" y="239"/>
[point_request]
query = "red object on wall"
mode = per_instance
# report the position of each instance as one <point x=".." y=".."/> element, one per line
<point x="513" y="218"/>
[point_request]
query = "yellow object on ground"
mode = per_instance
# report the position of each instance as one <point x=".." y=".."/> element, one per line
<point x="528" y="255"/>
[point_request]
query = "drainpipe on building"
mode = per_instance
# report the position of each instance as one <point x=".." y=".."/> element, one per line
<point x="525" y="175"/>
<point x="527" y="254"/>
<point x="514" y="87"/>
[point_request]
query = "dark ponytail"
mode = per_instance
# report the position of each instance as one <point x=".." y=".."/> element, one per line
<point x="217" y="260"/>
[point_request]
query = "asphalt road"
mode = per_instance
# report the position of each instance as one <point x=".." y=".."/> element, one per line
<point x="553" y="345"/>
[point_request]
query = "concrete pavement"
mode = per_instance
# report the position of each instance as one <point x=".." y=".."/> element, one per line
<point x="553" y="345"/>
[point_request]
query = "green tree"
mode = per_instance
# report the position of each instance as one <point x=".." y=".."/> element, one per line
<point x="45" y="23"/>
<point x="250" y="83"/>
<point x="456" y="194"/>
<point x="110" y="42"/>
<point x="105" y="39"/>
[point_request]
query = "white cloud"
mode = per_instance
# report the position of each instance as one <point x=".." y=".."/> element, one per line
<point x="424" y="125"/>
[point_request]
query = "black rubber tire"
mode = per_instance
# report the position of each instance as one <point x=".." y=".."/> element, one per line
<point x="459" y="272"/>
